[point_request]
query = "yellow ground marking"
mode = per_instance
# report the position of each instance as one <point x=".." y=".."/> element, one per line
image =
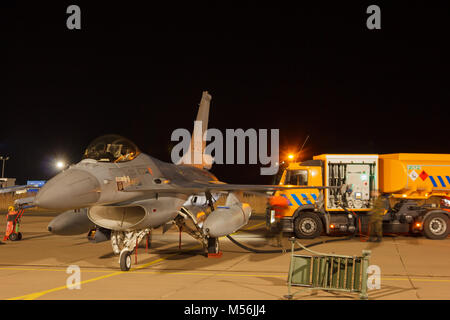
<point x="249" y="228"/>
<point x="154" y="272"/>
<point x="255" y="226"/>
<point x="415" y="279"/>
<point x="45" y="269"/>
<point x="36" y="295"/>
<point x="202" y="273"/>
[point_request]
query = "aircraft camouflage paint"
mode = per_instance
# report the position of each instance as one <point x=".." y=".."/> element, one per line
<point x="124" y="193"/>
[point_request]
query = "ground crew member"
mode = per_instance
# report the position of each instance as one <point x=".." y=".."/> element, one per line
<point x="376" y="217"/>
<point x="280" y="205"/>
<point x="10" y="218"/>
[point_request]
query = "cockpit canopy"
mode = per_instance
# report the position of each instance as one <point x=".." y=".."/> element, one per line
<point x="111" y="148"/>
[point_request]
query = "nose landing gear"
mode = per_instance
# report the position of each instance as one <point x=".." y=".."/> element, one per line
<point x="124" y="243"/>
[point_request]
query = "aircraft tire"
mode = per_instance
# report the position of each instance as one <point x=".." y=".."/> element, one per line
<point x="125" y="260"/>
<point x="213" y="245"/>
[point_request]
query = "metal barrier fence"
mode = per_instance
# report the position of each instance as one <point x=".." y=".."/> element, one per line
<point x="329" y="272"/>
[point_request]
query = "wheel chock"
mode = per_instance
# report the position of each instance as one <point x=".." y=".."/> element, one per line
<point x="214" y="255"/>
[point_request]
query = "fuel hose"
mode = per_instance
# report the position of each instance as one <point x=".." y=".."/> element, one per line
<point x="254" y="250"/>
<point x="243" y="246"/>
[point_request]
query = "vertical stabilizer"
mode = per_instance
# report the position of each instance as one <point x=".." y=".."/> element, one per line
<point x="195" y="156"/>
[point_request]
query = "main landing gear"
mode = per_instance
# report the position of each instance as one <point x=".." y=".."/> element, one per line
<point x="187" y="221"/>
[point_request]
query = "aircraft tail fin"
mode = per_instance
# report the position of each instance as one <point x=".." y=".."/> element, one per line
<point x="195" y="155"/>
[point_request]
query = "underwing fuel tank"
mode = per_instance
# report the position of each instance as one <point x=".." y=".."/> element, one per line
<point x="227" y="219"/>
<point x="70" y="223"/>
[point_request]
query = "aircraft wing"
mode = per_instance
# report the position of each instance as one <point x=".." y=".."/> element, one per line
<point x="25" y="203"/>
<point x="216" y="187"/>
<point x="16" y="188"/>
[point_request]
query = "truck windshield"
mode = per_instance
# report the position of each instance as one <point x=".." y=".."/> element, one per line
<point x="297" y="177"/>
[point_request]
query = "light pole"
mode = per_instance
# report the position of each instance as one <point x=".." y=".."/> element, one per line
<point x="4" y="159"/>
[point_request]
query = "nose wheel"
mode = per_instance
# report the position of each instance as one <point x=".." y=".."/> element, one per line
<point x="125" y="260"/>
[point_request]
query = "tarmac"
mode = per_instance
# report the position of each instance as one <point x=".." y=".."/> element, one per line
<point x="412" y="268"/>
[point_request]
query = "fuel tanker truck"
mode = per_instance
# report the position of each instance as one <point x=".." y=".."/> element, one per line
<point x="417" y="187"/>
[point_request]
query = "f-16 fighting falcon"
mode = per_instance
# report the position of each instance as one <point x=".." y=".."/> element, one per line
<point x="123" y="193"/>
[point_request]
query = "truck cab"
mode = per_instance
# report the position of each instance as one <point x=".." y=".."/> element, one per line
<point x="308" y="173"/>
<point x="299" y="201"/>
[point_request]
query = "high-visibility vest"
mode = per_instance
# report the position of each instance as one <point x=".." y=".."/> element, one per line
<point x="11" y="216"/>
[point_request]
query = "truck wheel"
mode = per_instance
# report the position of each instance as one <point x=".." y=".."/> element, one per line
<point x="307" y="226"/>
<point x="435" y="226"/>
<point x="125" y="260"/>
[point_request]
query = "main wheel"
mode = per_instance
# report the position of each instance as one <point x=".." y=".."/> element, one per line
<point x="14" y="236"/>
<point x="307" y="226"/>
<point x="436" y="226"/>
<point x="125" y="260"/>
<point x="213" y="245"/>
<point x="19" y="236"/>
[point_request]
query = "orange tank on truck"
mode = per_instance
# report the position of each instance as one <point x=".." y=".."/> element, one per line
<point x="340" y="189"/>
<point x="415" y="176"/>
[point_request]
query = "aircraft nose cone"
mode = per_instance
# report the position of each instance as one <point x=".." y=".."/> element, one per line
<point x="70" y="189"/>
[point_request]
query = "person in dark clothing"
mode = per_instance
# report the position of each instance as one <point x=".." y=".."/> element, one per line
<point x="376" y="217"/>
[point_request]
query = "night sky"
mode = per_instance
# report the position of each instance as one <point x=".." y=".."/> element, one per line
<point x="139" y="71"/>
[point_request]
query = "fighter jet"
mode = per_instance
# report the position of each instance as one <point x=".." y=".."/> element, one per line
<point x="125" y="193"/>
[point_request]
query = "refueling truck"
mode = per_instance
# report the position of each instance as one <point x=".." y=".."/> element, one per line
<point x="417" y="188"/>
